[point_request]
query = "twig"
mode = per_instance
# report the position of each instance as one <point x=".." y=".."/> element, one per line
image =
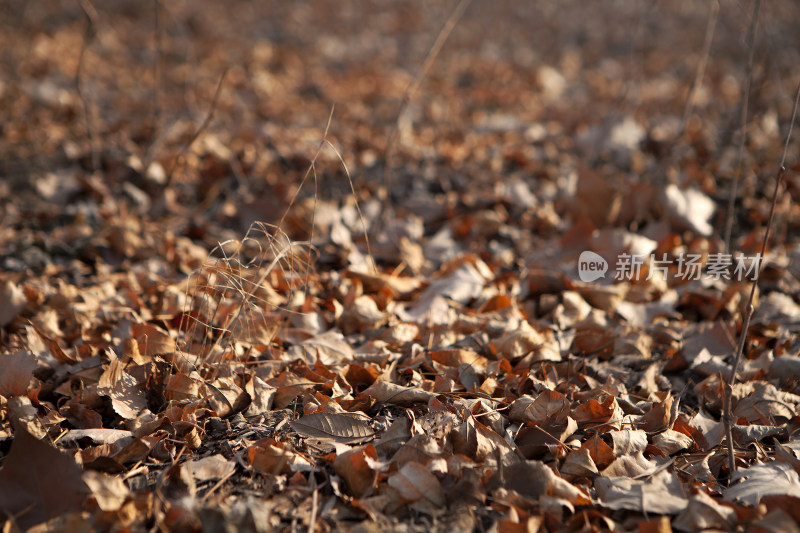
<point x="91" y="126"/>
<point x="358" y="207"/>
<point x="312" y="522"/>
<point x="157" y="67"/>
<point x="713" y="15"/>
<point x="199" y="130"/>
<point x="727" y="414"/>
<point x="311" y="167"/>
<point x="157" y="78"/>
<point x="444" y="33"/>
<point x="751" y="33"/>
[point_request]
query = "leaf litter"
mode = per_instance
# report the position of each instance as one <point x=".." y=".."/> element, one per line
<point x="217" y="313"/>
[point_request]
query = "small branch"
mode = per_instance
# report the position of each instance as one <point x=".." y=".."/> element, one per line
<point x="199" y="131"/>
<point x="411" y="91"/>
<point x="91" y="126"/>
<point x="727" y="407"/>
<point x="157" y="75"/>
<point x="751" y="32"/>
<point x="713" y="15"/>
<point x="311" y="167"/>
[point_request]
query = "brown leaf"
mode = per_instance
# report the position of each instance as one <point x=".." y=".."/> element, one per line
<point x="386" y="392"/>
<point x="127" y="398"/>
<point x="16" y="370"/>
<point x="353" y="467"/>
<point x="579" y="463"/>
<point x="605" y="415"/>
<point x="12" y="302"/>
<point x="414" y="482"/>
<point x="343" y="428"/>
<point x="269" y="457"/>
<point x="657" y="418"/>
<point x="109" y="491"/>
<point x="38" y="482"/>
<point x="600" y="452"/>
<point x="548" y="406"/>
<point x="151" y="340"/>
<point x="670" y="441"/>
<point x="98" y="436"/>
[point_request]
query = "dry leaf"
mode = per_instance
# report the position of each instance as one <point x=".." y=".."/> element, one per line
<point x="110" y="492"/>
<point x="38" y="482"/>
<point x="12" y="302"/>
<point x="151" y="340"/>
<point x="414" y="482"/>
<point x="342" y="428"/>
<point x="211" y="467"/>
<point x="354" y="467"/>
<point x="753" y="483"/>
<point x="386" y="392"/>
<point x="662" y="494"/>
<point x="16" y="370"/>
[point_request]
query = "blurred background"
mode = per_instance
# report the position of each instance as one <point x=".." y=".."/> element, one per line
<point x="212" y="112"/>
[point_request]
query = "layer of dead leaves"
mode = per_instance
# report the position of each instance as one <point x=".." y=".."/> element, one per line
<point x="417" y="360"/>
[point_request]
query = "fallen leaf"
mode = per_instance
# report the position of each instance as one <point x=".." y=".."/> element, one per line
<point x="16" y="370"/>
<point x="211" y="467"/>
<point x="343" y="428"/>
<point x="689" y="209"/>
<point x="384" y="391"/>
<point x="414" y="482"/>
<point x="703" y="512"/>
<point x="12" y="302"/>
<point x="662" y="494"/>
<point x="354" y="467"/>
<point x="110" y="492"/>
<point x="151" y="340"/>
<point x="770" y="479"/>
<point x="38" y="482"/>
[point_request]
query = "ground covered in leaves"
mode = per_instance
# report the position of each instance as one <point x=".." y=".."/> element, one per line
<point x="220" y="310"/>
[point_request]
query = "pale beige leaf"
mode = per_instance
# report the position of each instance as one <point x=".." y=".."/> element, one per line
<point x="385" y="392"/>
<point x="109" y="491"/>
<point x="211" y="467"/>
<point x="752" y="484"/>
<point x="662" y="494"/>
<point x="341" y="428"/>
<point x="414" y="482"/>
<point x="12" y="302"/>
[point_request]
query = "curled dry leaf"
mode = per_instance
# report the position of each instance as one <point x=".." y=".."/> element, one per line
<point x="548" y="406"/>
<point x="670" y="441"/>
<point x="354" y="467"/>
<point x="269" y="457"/>
<point x="127" y="397"/>
<point x="579" y="463"/>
